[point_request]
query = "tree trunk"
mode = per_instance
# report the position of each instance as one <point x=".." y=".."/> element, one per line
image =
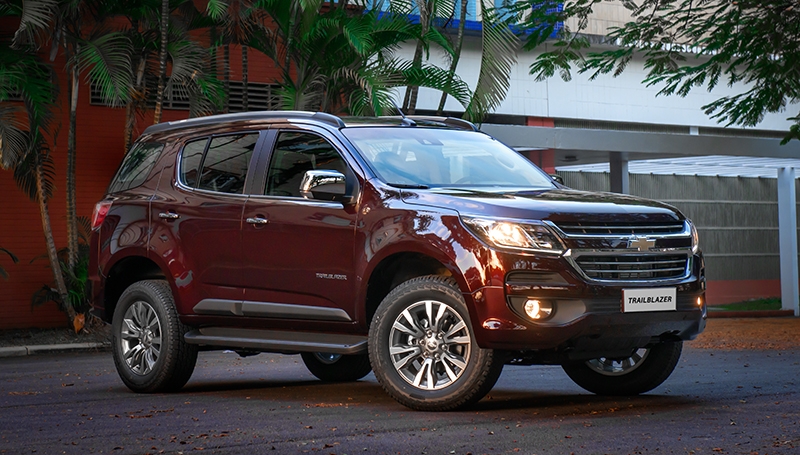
<point x="410" y="102"/>
<point x="72" y="216"/>
<point x="162" y="61"/>
<point x="130" y="108"/>
<point x="453" y="64"/>
<point x="52" y="252"/>
<point x="245" y="104"/>
<point x="226" y="78"/>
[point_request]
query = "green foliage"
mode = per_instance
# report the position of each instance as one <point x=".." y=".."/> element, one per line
<point x="689" y="44"/>
<point x="772" y="303"/>
<point x="15" y="259"/>
<point x="76" y="279"/>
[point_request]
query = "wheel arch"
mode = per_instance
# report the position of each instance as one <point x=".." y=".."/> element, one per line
<point x="399" y="267"/>
<point x="122" y="274"/>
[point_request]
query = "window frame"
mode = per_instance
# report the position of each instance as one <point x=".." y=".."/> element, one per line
<point x="251" y="167"/>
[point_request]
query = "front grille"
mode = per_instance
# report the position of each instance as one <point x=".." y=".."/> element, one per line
<point x="620" y="229"/>
<point x="634" y="267"/>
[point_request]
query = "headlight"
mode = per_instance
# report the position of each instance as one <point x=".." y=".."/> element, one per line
<point x="528" y="236"/>
<point x="695" y="237"/>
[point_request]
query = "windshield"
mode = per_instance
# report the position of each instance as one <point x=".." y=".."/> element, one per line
<point x="433" y="157"/>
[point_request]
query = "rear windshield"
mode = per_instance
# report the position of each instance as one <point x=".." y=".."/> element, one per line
<point x="136" y="166"/>
<point x="431" y="157"/>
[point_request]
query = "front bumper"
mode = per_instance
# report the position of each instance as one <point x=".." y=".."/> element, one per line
<point x="588" y="321"/>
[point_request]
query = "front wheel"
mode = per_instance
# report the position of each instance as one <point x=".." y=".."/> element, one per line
<point x="337" y="367"/>
<point x="147" y="337"/>
<point x="423" y="349"/>
<point x="642" y="371"/>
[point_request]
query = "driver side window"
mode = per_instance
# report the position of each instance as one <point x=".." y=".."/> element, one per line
<point x="294" y="154"/>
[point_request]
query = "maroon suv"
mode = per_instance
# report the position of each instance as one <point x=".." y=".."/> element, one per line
<point x="416" y="247"/>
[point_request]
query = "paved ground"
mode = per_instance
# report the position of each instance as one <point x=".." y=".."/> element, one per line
<point x="721" y="399"/>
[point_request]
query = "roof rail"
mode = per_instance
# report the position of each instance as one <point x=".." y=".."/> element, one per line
<point x="449" y="121"/>
<point x="244" y="116"/>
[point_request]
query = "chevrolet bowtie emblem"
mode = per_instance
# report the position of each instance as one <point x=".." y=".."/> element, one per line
<point x="641" y="243"/>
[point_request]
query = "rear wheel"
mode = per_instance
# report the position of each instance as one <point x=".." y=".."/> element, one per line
<point x="148" y="345"/>
<point x="337" y="367"/>
<point x="642" y="371"/>
<point x="423" y="349"/>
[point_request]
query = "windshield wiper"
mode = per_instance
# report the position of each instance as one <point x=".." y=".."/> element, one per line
<point x="410" y="186"/>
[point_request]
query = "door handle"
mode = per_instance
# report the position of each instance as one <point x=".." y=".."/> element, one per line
<point x="168" y="215"/>
<point x="257" y="220"/>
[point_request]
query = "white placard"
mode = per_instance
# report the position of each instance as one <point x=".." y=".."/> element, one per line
<point x="652" y="299"/>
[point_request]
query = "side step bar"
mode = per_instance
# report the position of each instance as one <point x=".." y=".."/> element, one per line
<point x="277" y="340"/>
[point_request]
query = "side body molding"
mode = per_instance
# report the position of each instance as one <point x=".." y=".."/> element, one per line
<point x="223" y="307"/>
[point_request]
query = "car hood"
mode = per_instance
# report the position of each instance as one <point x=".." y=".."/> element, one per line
<point x="547" y="204"/>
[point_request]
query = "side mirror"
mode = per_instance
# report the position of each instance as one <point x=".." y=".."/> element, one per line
<point x="557" y="178"/>
<point x="324" y="185"/>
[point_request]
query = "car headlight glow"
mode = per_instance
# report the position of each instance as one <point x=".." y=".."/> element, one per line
<point x="528" y="236"/>
<point x="695" y="238"/>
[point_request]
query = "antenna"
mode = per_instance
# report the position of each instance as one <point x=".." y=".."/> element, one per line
<point x="398" y="109"/>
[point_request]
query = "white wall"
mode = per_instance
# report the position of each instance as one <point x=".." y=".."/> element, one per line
<point x="623" y="98"/>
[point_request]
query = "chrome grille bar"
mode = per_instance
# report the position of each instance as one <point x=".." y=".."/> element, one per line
<point x="633" y="267"/>
<point x="579" y="229"/>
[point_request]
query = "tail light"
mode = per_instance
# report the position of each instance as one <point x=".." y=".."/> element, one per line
<point x="100" y="211"/>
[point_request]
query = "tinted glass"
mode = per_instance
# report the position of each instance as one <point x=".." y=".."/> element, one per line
<point x="296" y="153"/>
<point x="226" y="162"/>
<point x="444" y="158"/>
<point x="190" y="161"/>
<point x="136" y="166"/>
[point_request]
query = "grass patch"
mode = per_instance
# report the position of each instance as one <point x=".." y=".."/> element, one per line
<point x="772" y="303"/>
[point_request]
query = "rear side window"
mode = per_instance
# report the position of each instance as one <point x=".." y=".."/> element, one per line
<point x="136" y="166"/>
<point x="225" y="164"/>
<point x="191" y="157"/>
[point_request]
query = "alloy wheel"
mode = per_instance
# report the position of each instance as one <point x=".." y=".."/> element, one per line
<point x="140" y="338"/>
<point x="429" y="345"/>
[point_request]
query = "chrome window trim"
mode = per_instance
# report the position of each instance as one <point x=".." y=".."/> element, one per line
<point x="572" y="255"/>
<point x="297" y="201"/>
<point x="687" y="232"/>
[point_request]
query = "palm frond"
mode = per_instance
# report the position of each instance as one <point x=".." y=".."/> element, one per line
<point x="36" y="159"/>
<point x="216" y="9"/>
<point x="13" y="137"/>
<point x="500" y="46"/>
<point x="36" y="21"/>
<point x="107" y="57"/>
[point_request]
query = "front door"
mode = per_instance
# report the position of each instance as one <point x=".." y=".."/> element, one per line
<point x="298" y="253"/>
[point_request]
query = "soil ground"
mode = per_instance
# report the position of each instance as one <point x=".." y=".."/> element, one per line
<point x="725" y="334"/>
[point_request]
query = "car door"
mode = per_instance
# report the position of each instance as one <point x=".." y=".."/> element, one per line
<point x="298" y="253"/>
<point x="197" y="218"/>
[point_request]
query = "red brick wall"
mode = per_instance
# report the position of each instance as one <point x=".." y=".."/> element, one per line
<point x="99" y="151"/>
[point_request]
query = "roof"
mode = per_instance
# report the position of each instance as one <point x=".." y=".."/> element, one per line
<point x="330" y="119"/>
<point x="712" y="165"/>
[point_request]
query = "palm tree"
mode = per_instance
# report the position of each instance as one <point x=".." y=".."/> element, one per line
<point x="23" y="147"/>
<point x="499" y="46"/>
<point x="240" y="23"/>
<point x="342" y="59"/>
<point x="90" y="46"/>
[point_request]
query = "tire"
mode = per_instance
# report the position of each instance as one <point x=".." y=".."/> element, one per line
<point x="156" y="359"/>
<point x="423" y="350"/>
<point x="644" y="370"/>
<point x="335" y="367"/>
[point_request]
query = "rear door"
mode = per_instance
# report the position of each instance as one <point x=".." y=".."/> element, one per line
<point x="197" y="217"/>
<point x="299" y="253"/>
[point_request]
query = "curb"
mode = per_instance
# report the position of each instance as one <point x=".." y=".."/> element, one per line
<point x="713" y="314"/>
<point x="19" y="351"/>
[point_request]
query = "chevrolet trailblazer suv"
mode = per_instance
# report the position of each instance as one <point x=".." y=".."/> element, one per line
<point x="416" y="247"/>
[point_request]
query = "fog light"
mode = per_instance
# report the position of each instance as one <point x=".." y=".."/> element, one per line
<point x="538" y="309"/>
<point x="699" y="301"/>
